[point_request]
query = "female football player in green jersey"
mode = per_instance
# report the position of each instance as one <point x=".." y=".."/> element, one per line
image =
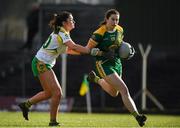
<point x="58" y="42"/>
<point x="108" y="37"/>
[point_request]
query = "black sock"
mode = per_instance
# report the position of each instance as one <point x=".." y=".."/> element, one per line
<point x="135" y="114"/>
<point x="53" y="121"/>
<point x="28" y="104"/>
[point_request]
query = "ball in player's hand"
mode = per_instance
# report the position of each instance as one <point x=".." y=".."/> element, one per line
<point x="126" y="51"/>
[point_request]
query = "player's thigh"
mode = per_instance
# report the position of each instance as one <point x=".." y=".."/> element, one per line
<point x="49" y="81"/>
<point x="113" y="92"/>
<point x="116" y="81"/>
<point x="109" y="88"/>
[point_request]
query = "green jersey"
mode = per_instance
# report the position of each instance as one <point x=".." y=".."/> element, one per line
<point x="108" y="39"/>
<point x="105" y="40"/>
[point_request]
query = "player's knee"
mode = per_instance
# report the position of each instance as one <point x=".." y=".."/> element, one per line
<point x="47" y="95"/>
<point x="124" y="91"/>
<point x="57" y="94"/>
<point x="114" y="94"/>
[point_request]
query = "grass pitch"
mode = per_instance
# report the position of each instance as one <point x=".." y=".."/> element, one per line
<point x="83" y="120"/>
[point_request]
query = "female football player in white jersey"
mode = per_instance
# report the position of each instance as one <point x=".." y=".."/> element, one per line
<point x="58" y="42"/>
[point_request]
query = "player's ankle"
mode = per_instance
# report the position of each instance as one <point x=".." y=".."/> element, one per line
<point x="28" y="104"/>
<point x="135" y="114"/>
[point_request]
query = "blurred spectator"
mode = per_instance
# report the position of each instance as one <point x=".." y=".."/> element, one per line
<point x="32" y="22"/>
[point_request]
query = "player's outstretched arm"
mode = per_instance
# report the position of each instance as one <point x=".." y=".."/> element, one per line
<point x="76" y="49"/>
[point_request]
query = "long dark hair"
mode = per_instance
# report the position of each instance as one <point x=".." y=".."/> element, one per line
<point x="108" y="14"/>
<point x="57" y="20"/>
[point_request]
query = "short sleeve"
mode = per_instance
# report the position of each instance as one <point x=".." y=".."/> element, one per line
<point x="65" y="37"/>
<point x="96" y="37"/>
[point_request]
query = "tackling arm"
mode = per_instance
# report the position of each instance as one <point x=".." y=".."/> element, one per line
<point x="76" y="49"/>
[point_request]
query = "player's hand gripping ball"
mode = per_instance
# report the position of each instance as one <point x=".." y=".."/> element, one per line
<point x="126" y="51"/>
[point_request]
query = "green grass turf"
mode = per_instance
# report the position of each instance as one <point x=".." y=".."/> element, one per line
<point x="81" y="120"/>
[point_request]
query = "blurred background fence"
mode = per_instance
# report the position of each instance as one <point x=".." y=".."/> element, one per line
<point x="155" y="22"/>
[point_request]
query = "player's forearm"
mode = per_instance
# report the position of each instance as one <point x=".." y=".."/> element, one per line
<point x="81" y="49"/>
<point x="77" y="48"/>
<point x="72" y="52"/>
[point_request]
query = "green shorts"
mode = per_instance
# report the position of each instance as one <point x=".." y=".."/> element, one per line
<point x="39" y="67"/>
<point x="105" y="68"/>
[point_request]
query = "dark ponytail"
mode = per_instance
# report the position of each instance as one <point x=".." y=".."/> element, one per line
<point x="53" y="23"/>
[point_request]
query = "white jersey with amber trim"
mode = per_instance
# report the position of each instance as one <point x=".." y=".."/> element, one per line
<point x="53" y="47"/>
